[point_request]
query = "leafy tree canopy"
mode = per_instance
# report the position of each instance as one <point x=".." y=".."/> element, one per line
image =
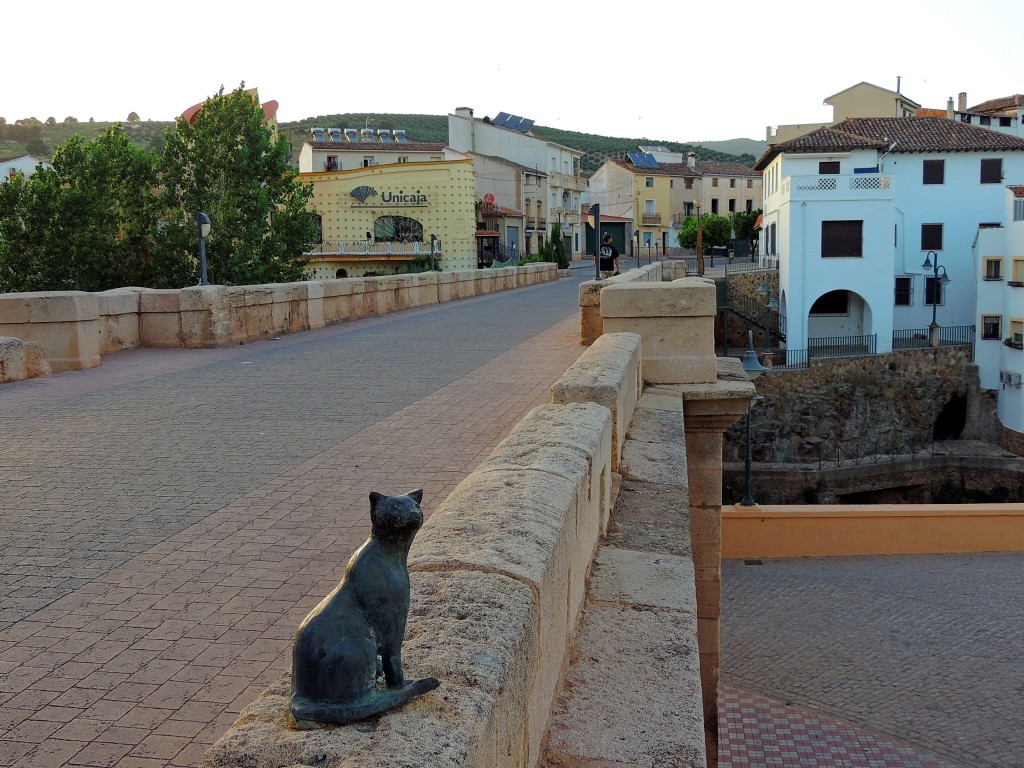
<point x="716" y="231"/>
<point x="232" y="166"/>
<point x="743" y="224"/>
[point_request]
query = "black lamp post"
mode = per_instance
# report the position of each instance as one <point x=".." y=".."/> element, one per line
<point x="938" y="287"/>
<point x="594" y="217"/>
<point x="202" y="231"/>
<point x="434" y="243"/>
<point x="698" y="204"/>
<point x="754" y="369"/>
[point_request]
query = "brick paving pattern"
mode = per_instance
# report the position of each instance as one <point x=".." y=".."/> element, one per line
<point x="927" y="649"/>
<point x="757" y="732"/>
<point x="167" y="519"/>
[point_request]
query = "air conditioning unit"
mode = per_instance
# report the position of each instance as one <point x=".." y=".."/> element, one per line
<point x="1015" y="380"/>
<point x="1003" y="376"/>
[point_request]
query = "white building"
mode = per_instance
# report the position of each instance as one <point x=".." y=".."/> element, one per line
<point x="18" y="165"/>
<point x="999" y="351"/>
<point x="559" y="198"/>
<point x="1005" y="114"/>
<point x="851" y="212"/>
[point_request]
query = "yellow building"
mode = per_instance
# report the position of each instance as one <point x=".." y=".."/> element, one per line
<point x="379" y="217"/>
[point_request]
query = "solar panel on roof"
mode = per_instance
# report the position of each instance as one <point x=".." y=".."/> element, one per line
<point x="501" y="120"/>
<point x="318" y="133"/>
<point x="526" y="125"/>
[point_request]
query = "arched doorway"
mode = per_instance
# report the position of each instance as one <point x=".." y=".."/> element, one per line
<point x="840" y="321"/>
<point x="341" y="273"/>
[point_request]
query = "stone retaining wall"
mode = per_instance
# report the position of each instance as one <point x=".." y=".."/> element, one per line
<point x="74" y="328"/>
<point x="21" y="360"/>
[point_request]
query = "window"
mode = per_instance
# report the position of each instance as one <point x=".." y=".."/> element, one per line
<point x="750" y="183"/>
<point x="991" y="326"/>
<point x="714" y="205"/>
<point x="993" y="268"/>
<point x="934" y="172"/>
<point x="986" y="120"/>
<point x="397" y="229"/>
<point x="840" y="239"/>
<point x="332" y="163"/>
<point x="904" y="295"/>
<point x="750" y="206"/>
<point x="931" y="237"/>
<point x="649" y="181"/>
<point x="832" y="303"/>
<point x="1018" y="209"/>
<point x="403" y="158"/>
<point x="648" y="207"/>
<point x="933" y="293"/>
<point x="1018" y="270"/>
<point x="991" y="170"/>
<point x="828" y="167"/>
<point x="368" y="161"/>
<point x="1005" y="122"/>
<point x="689" y="183"/>
<point x="714" y="181"/>
<point x="1017" y="332"/>
<point x="732" y="183"/>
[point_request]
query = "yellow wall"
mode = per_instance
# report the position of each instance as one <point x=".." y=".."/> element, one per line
<point x="841" y="530"/>
<point x="448" y="211"/>
<point x="662" y="196"/>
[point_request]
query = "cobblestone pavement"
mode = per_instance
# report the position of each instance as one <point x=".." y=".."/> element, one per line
<point x="168" y="518"/>
<point x="926" y="649"/>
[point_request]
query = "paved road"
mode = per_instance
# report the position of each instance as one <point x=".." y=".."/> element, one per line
<point x="167" y="518"/>
<point x="926" y="649"/>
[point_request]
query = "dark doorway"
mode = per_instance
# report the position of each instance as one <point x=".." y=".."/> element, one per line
<point x="951" y="419"/>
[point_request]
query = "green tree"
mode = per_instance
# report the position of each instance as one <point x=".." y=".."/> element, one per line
<point x="557" y="247"/>
<point x="716" y="230"/>
<point x="233" y="167"/>
<point x="91" y="222"/>
<point x="743" y="225"/>
<point x="51" y="120"/>
<point x="70" y="119"/>
<point x="37" y="147"/>
<point x="133" y="117"/>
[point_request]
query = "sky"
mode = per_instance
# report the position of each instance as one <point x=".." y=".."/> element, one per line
<point x="665" y="71"/>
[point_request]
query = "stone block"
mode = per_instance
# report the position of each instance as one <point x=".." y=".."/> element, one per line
<point x="120" y="320"/>
<point x="315" y="304"/>
<point x="642" y="578"/>
<point x="655" y="450"/>
<point x="12" y="359"/>
<point x="477" y="633"/>
<point x="689" y="297"/>
<point x="65" y="324"/>
<point x="607" y="374"/>
<point x="633" y="697"/>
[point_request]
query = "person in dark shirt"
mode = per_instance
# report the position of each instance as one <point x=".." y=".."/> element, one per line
<point x="609" y="257"/>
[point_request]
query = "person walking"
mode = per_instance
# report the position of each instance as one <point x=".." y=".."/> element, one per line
<point x="609" y="255"/>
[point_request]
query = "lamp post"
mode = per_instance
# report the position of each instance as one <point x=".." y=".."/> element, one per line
<point x="753" y="368"/>
<point x="698" y="204"/>
<point x="938" y="289"/>
<point x="202" y="231"/>
<point x="594" y="218"/>
<point x="434" y="241"/>
<point x="771" y="305"/>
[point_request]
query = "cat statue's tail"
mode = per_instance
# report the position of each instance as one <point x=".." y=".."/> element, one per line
<point x="310" y="715"/>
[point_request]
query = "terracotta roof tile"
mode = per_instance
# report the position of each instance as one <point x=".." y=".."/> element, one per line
<point x="910" y="134"/>
<point x="1017" y="191"/>
<point x="1004" y="104"/>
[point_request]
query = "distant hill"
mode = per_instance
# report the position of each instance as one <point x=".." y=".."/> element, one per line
<point x="427" y="128"/>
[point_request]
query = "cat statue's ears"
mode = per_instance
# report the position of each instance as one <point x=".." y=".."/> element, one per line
<point x="375" y="497"/>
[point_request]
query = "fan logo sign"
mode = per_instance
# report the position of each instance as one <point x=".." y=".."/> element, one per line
<point x="394" y="199"/>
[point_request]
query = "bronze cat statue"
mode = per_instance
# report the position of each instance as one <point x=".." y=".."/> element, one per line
<point x="334" y="658"/>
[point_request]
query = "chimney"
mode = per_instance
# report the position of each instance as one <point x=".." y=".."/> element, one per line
<point x="691" y="159"/>
<point x="949" y="108"/>
<point x="961" y="102"/>
<point x="466" y="112"/>
<point x="898" y="78"/>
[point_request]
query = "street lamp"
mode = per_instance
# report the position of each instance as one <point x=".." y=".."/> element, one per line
<point x="698" y="204"/>
<point x="938" y="289"/>
<point x="772" y="305"/>
<point x="434" y="243"/>
<point x="594" y="218"/>
<point x="754" y="369"/>
<point x="203" y="231"/>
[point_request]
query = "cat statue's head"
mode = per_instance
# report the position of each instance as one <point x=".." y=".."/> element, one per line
<point x="395" y="516"/>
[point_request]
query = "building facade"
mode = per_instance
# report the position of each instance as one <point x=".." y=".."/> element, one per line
<point x="852" y="212"/>
<point x="19" y="165"/>
<point x="555" y="169"/>
<point x="377" y="218"/>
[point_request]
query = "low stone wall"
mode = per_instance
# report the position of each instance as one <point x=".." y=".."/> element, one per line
<point x="74" y="328"/>
<point x="610" y="374"/>
<point x="591" y="324"/>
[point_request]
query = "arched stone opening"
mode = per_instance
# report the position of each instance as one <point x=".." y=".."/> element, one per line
<point x="952" y="419"/>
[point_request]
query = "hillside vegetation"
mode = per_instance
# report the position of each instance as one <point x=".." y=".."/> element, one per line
<point x="16" y="139"/>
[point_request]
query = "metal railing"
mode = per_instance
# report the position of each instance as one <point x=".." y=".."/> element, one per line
<point x="755" y="311"/>
<point x="365" y="248"/>
<point x="949" y="336"/>
<point x="842" y="346"/>
<point x="881" y="452"/>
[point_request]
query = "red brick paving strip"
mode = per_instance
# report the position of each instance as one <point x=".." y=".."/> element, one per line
<point x="148" y="664"/>
<point x="757" y="732"/>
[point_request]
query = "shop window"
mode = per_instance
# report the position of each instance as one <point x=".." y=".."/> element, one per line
<point x="397" y="229"/>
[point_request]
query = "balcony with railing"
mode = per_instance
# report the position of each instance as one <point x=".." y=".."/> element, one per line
<point x="857" y="186"/>
<point x="651" y="219"/>
<point x="366" y="249"/>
